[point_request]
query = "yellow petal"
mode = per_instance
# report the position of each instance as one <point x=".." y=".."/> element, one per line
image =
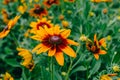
<point x="49" y="30"/>
<point x="42" y="32"/>
<point x="52" y="51"/>
<point x="56" y="29"/>
<point x="96" y="41"/>
<point x="102" y="43"/>
<point x="37" y="47"/>
<point x="68" y="50"/>
<point x="72" y="42"/>
<point x="59" y="58"/>
<point x="65" y="33"/>
<point x="102" y="52"/>
<point x="4" y="33"/>
<point x="33" y="24"/>
<point x="96" y="56"/>
<point x="43" y="49"/>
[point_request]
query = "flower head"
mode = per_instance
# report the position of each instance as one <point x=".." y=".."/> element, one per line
<point x="98" y="1"/>
<point x="65" y="23"/>
<point x="48" y="3"/>
<point x="38" y="11"/>
<point x="40" y="23"/>
<point x="7" y="28"/>
<point x="27" y="57"/>
<point x="22" y="8"/>
<point x="55" y="42"/>
<point x="7" y="76"/>
<point x="95" y="47"/>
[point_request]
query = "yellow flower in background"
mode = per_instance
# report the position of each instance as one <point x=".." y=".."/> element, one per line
<point x="5" y="16"/>
<point x="108" y="37"/>
<point x="8" y="1"/>
<point x="83" y="38"/>
<point x="55" y="42"/>
<point x="7" y="76"/>
<point x="22" y="8"/>
<point x="65" y="23"/>
<point x="97" y="1"/>
<point x="94" y="46"/>
<point x="61" y="17"/>
<point x="38" y="11"/>
<point x="107" y="76"/>
<point x="40" y="23"/>
<point x="10" y="24"/>
<point x="27" y="57"/>
<point x="116" y="68"/>
<point x="49" y="3"/>
<point x="91" y="14"/>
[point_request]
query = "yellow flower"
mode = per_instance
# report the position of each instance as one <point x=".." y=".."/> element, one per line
<point x="49" y="3"/>
<point x="94" y="46"/>
<point x="27" y="57"/>
<point x="107" y="76"/>
<point x="40" y="23"/>
<point x="91" y="14"/>
<point x="65" y="23"/>
<point x="83" y="38"/>
<point x="55" y="42"/>
<point x="38" y="11"/>
<point x="97" y="1"/>
<point x="61" y="17"/>
<point x="22" y="8"/>
<point x="6" y="30"/>
<point x="5" y="16"/>
<point x="105" y="10"/>
<point x="7" y="76"/>
<point x="116" y="68"/>
<point x="108" y="37"/>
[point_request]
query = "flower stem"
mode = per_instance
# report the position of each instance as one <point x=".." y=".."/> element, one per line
<point x="52" y="69"/>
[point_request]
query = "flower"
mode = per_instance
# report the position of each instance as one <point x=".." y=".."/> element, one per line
<point x="116" y="68"/>
<point x="8" y="1"/>
<point x="97" y="1"/>
<point x="105" y="10"/>
<point x="27" y="57"/>
<point x="40" y="23"/>
<point x="7" y="28"/>
<point x="94" y="47"/>
<point x="83" y="38"/>
<point x="48" y="3"/>
<point x="5" y="16"/>
<point x="107" y="76"/>
<point x="65" y="23"/>
<point x="7" y="76"/>
<point x="22" y="8"/>
<point x="55" y="42"/>
<point x="38" y="11"/>
<point x="61" y="17"/>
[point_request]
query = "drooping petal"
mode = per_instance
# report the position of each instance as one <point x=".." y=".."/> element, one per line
<point x="102" y="52"/>
<point x="59" y="58"/>
<point x="43" y="49"/>
<point x="68" y="50"/>
<point x="96" y="41"/>
<point x="52" y="51"/>
<point x="96" y="55"/>
<point x="37" y="47"/>
<point x="72" y="42"/>
<point x="65" y="33"/>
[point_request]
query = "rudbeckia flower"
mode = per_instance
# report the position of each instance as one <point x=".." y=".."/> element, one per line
<point x="8" y="1"/>
<point x="95" y="47"/>
<point x="107" y="76"/>
<point x="49" y="3"/>
<point x="5" y="16"/>
<point x="38" y="11"/>
<point x="55" y="42"/>
<point x="6" y="30"/>
<point x="40" y="23"/>
<point x="97" y="1"/>
<point x="7" y="76"/>
<point x="22" y="8"/>
<point x="27" y="57"/>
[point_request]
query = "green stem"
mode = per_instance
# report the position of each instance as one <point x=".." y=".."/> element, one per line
<point x="52" y="69"/>
<point x="16" y="42"/>
<point x="69" y="69"/>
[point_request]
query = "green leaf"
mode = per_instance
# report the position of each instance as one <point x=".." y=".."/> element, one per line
<point x="95" y="68"/>
<point x="79" y="68"/>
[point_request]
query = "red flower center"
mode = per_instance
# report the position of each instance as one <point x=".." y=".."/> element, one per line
<point x="41" y="24"/>
<point x="38" y="10"/>
<point x="55" y="40"/>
